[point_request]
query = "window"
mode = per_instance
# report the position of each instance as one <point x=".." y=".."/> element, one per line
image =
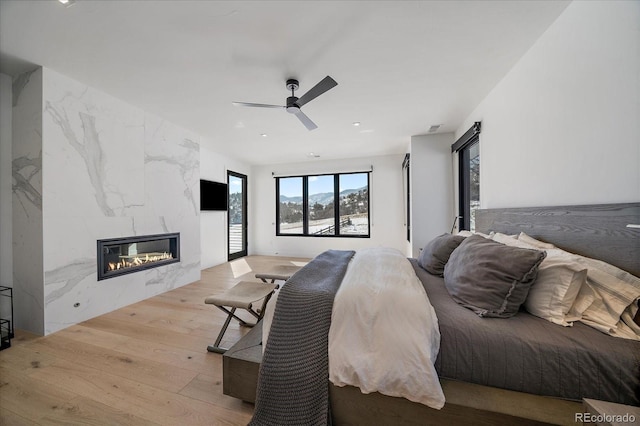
<point x="323" y="205"/>
<point x="290" y="217"/>
<point x="470" y="176"/>
<point x="237" y="220"/>
<point x="406" y="179"/>
<point x="468" y="150"/>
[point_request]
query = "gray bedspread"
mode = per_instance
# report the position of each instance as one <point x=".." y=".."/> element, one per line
<point x="529" y="354"/>
<point x="293" y="385"/>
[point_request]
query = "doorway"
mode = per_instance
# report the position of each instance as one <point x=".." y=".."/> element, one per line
<point x="237" y="215"/>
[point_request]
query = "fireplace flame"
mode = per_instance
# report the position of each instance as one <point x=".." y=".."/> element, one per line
<point x="137" y="260"/>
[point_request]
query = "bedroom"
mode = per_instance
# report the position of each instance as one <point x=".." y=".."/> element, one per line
<point x="556" y="147"/>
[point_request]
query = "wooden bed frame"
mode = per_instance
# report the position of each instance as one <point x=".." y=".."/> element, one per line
<point x="598" y="231"/>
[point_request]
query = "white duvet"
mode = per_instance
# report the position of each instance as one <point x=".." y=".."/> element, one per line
<point x="384" y="334"/>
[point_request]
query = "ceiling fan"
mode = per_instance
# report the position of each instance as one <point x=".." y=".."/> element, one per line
<point x="294" y="104"/>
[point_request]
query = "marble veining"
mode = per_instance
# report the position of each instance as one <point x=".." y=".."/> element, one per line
<point x="90" y="151"/>
<point x="185" y="164"/>
<point x="169" y="276"/>
<point x="96" y="167"/>
<point x="25" y="291"/>
<point x="70" y="275"/>
<point x="24" y="170"/>
<point x="19" y="84"/>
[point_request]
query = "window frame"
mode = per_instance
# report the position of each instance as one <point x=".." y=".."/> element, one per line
<point x="462" y="147"/>
<point x="336" y="203"/>
<point x="245" y="216"/>
<point x="406" y="180"/>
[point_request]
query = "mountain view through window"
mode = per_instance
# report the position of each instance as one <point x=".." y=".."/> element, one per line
<point x="314" y="211"/>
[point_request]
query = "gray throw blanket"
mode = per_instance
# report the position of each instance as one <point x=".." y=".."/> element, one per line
<point x="293" y="386"/>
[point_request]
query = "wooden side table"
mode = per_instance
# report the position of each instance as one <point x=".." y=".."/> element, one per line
<point x="603" y="413"/>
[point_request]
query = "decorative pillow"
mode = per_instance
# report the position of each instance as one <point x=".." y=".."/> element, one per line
<point x="560" y="278"/>
<point x="490" y="278"/>
<point x="436" y="253"/>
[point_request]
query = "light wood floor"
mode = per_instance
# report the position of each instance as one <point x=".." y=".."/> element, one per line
<point x="144" y="364"/>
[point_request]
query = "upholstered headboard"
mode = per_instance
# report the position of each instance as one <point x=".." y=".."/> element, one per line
<point x="600" y="231"/>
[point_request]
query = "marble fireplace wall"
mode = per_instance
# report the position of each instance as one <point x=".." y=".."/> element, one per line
<point x="110" y="170"/>
<point x="28" y="276"/>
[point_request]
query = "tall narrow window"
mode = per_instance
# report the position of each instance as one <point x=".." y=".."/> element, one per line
<point x="290" y="202"/>
<point x="472" y="181"/>
<point x="406" y="178"/>
<point x="237" y="220"/>
<point x="323" y="205"/>
<point x="468" y="150"/>
<point x="354" y="204"/>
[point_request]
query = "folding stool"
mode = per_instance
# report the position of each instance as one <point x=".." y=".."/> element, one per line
<point x="243" y="295"/>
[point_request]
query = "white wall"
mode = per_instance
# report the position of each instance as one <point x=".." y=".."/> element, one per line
<point x="563" y="125"/>
<point x="6" y="213"/>
<point x="431" y="188"/>
<point x="386" y="208"/>
<point x="213" y="224"/>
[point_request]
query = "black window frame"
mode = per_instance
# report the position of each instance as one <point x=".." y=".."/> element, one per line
<point x="406" y="167"/>
<point x="336" y="203"/>
<point x="462" y="147"/>
<point x="245" y="216"/>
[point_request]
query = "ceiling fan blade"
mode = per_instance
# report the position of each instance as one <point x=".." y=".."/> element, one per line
<point x="317" y="90"/>
<point x="310" y="125"/>
<point x="247" y="104"/>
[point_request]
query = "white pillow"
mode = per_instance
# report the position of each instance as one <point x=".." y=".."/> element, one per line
<point x="556" y="288"/>
<point x="557" y="285"/>
<point x="612" y="292"/>
<point x="608" y="298"/>
<point x="466" y="234"/>
<point x="537" y="243"/>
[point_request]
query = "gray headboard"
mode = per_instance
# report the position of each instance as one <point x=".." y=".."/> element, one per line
<point x="599" y="231"/>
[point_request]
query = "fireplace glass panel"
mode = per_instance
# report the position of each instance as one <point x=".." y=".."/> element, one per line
<point x="120" y="256"/>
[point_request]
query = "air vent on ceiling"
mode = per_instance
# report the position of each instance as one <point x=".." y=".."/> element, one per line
<point x="434" y="128"/>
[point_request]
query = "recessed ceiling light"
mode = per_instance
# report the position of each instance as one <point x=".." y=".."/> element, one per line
<point x="264" y="135"/>
<point x="356" y="123"/>
<point x="67" y="3"/>
<point x="313" y="155"/>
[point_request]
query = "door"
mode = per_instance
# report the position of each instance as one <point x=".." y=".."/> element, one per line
<point x="237" y="215"/>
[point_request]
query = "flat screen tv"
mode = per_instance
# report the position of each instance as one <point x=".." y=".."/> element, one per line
<point x="213" y="195"/>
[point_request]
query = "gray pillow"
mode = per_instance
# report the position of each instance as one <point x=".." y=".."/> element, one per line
<point x="490" y="278"/>
<point x="436" y="253"/>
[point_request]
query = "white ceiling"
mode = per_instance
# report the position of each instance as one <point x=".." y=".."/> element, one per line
<point x="401" y="66"/>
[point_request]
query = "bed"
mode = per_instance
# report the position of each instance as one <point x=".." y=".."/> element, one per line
<point x="473" y="397"/>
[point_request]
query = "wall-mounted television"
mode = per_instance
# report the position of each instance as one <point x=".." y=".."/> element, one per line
<point x="213" y="195"/>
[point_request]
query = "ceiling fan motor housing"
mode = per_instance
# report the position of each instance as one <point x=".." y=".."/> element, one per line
<point x="291" y="102"/>
<point x="292" y="84"/>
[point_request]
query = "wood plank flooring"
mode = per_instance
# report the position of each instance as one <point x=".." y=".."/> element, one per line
<point x="144" y="364"/>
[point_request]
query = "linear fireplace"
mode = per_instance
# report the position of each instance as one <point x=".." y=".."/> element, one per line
<point x="119" y="256"/>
